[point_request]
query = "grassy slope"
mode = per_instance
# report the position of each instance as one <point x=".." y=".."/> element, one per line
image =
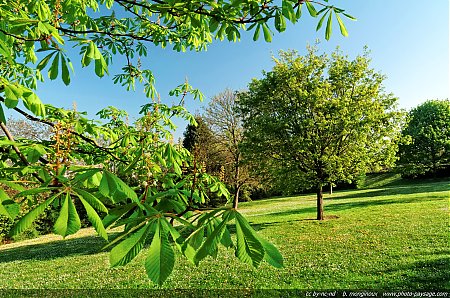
<point x="392" y="238"/>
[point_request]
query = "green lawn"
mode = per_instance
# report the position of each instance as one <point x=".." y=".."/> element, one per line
<point x="390" y="238"/>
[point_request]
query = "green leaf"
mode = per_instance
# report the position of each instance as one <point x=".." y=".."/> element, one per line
<point x="349" y="16"/>
<point x="65" y="71"/>
<point x="328" y="29"/>
<point x="117" y="213"/>
<point x="68" y="222"/>
<point x="91" y="199"/>
<point x="288" y="11"/>
<point x="11" y="99"/>
<point x="115" y="189"/>
<point x="2" y="115"/>
<point x="26" y="221"/>
<point x="53" y="71"/>
<point x="33" y="103"/>
<point x="341" y="25"/>
<point x="34" y="191"/>
<point x="272" y="255"/>
<point x="249" y="249"/>
<point x="84" y="176"/>
<point x="319" y="25"/>
<point x="257" y="31"/>
<point x="280" y="22"/>
<point x="312" y="11"/>
<point x="8" y="207"/>
<point x="126" y="250"/>
<point x="267" y="33"/>
<point x="45" y="61"/>
<point x="94" y="219"/>
<point x="211" y="242"/>
<point x="161" y="258"/>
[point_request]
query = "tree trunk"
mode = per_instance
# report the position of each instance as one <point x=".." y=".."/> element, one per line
<point x="236" y="198"/>
<point x="319" y="203"/>
<point x="331" y="188"/>
<point x="236" y="182"/>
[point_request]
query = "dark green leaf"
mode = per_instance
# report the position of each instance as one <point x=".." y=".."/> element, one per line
<point x="115" y="189"/>
<point x="91" y="199"/>
<point x="272" y="255"/>
<point x="312" y="11"/>
<point x="8" y="207"/>
<point x="53" y="71"/>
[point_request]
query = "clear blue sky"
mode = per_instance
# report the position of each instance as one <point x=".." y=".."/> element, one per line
<point x="409" y="43"/>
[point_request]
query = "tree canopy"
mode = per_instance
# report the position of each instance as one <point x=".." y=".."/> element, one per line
<point x="317" y="119"/>
<point x="427" y="148"/>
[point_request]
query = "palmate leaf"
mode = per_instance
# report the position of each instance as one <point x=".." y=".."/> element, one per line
<point x="95" y="220"/>
<point x="249" y="248"/>
<point x="115" y="189"/>
<point x="126" y="250"/>
<point x="161" y="258"/>
<point x="210" y="245"/>
<point x="68" y="222"/>
<point x="26" y="221"/>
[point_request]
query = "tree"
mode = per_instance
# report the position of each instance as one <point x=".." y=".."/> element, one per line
<point x="316" y="119"/>
<point x="221" y="115"/>
<point x="124" y="174"/>
<point x="427" y="150"/>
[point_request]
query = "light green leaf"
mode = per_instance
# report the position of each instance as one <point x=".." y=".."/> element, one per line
<point x="91" y="199"/>
<point x="319" y="25"/>
<point x="94" y="219"/>
<point x="26" y="221"/>
<point x="257" y="31"/>
<point x="8" y="207"/>
<point x="272" y="255"/>
<point x="311" y="9"/>
<point x="329" y="27"/>
<point x="68" y="222"/>
<point x="211" y="242"/>
<point x="161" y="258"/>
<point x="267" y="33"/>
<point x="341" y="25"/>
<point x="249" y="249"/>
<point x="126" y="250"/>
<point x="115" y="189"/>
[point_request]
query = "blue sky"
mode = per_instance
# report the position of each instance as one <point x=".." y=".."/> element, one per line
<point x="409" y="43"/>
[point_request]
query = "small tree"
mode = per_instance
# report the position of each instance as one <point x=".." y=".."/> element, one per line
<point x="314" y="120"/>
<point x="427" y="150"/>
<point x="224" y="120"/>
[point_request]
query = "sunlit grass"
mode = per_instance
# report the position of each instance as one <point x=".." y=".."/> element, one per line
<point x="392" y="238"/>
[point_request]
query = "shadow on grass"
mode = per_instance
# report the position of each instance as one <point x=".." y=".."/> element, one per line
<point x="398" y="190"/>
<point x="348" y="205"/>
<point x="55" y="249"/>
<point x="430" y="275"/>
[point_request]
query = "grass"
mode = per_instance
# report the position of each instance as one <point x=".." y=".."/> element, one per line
<point x="389" y="238"/>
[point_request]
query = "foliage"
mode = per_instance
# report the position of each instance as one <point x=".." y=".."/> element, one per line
<point x="426" y="150"/>
<point x="121" y="174"/>
<point x="384" y="239"/>
<point x="314" y="120"/>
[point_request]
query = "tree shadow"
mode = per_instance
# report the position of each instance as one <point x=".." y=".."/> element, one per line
<point x="347" y="205"/>
<point x="88" y="245"/>
<point x="430" y="275"/>
<point x="397" y="190"/>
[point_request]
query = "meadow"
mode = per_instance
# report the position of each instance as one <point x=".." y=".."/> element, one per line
<point x="392" y="237"/>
